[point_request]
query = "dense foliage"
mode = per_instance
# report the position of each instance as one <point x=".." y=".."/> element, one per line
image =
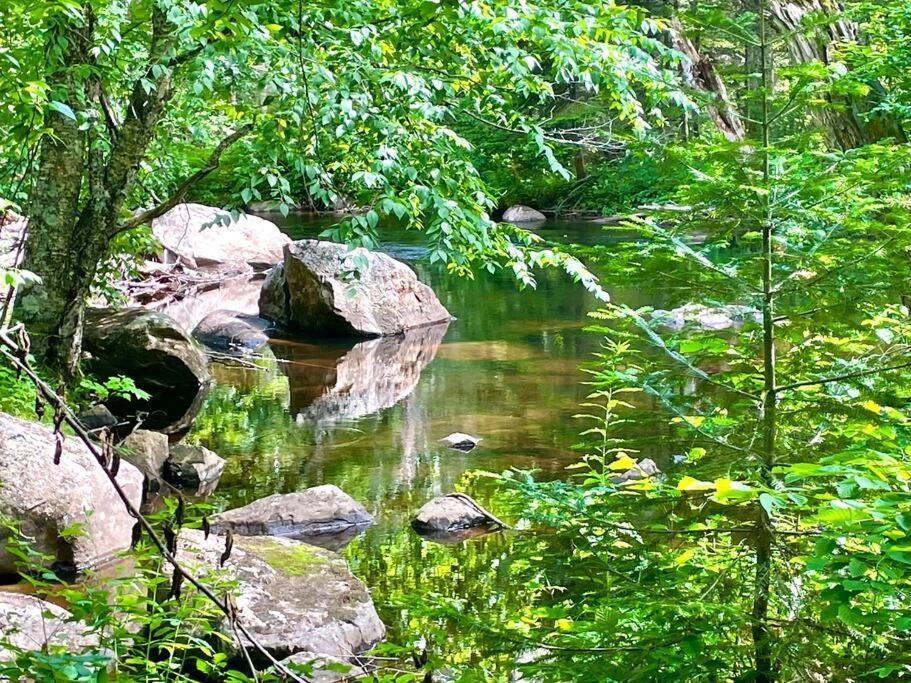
<point x="775" y="542"/>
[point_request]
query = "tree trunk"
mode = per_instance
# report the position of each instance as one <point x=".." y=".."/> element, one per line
<point x="700" y="74"/>
<point x="74" y="209"/>
<point x="845" y="119"/>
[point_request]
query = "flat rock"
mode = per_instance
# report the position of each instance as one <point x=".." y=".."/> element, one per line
<point x="449" y="513"/>
<point x="523" y="214"/>
<point x="193" y="468"/>
<point x="153" y="350"/>
<point x="460" y="441"/>
<point x="30" y="623"/>
<point x="45" y="499"/>
<point x="232" y="331"/>
<point x="200" y="236"/>
<point x="316" y="511"/>
<point x="315" y="291"/>
<point x="291" y="596"/>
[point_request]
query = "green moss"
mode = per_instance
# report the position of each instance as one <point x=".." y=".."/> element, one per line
<point x="296" y="559"/>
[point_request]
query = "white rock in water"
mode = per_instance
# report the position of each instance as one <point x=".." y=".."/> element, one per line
<point x="460" y="442"/>
<point x="523" y="214"/>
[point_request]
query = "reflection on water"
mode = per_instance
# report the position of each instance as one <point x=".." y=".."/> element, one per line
<point x="368" y="419"/>
<point x="329" y="384"/>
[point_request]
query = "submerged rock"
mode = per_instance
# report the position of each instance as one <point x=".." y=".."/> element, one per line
<point x="325" y="289"/>
<point x="232" y="331"/>
<point x="460" y="441"/>
<point x="643" y="469"/>
<point x="328" y="669"/>
<point x="201" y="236"/>
<point x="316" y="511"/>
<point x="451" y="512"/>
<point x="194" y="469"/>
<point x="329" y="383"/>
<point x="44" y="499"/>
<point x="706" y="317"/>
<point x="151" y="349"/>
<point x="523" y="214"/>
<point x="28" y="623"/>
<point x="291" y="596"/>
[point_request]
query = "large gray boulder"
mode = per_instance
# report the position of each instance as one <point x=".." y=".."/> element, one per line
<point x="232" y="331"/>
<point x="194" y="469"/>
<point x="520" y="214"/>
<point x="291" y="596"/>
<point x="313" y="512"/>
<point x="200" y="236"/>
<point x="151" y="349"/>
<point x="28" y="623"/>
<point x="316" y="291"/>
<point x="45" y="499"/>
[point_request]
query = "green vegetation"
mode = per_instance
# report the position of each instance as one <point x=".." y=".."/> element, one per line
<point x="753" y="160"/>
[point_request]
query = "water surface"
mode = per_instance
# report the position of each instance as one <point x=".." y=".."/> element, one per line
<point x="368" y="417"/>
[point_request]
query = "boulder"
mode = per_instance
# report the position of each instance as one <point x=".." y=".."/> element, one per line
<point x="329" y="384"/>
<point x="232" y="292"/>
<point x="273" y="297"/>
<point x="291" y="596"/>
<point x="147" y="451"/>
<point x="201" y="236"/>
<point x="97" y="417"/>
<point x="45" y="499"/>
<point x="449" y="513"/>
<point x="193" y="468"/>
<point x="523" y="214"/>
<point x="319" y="510"/>
<point x="460" y="442"/>
<point x="151" y="349"/>
<point x="231" y="331"/>
<point x="29" y="623"/>
<point x="323" y="288"/>
<point x="641" y="470"/>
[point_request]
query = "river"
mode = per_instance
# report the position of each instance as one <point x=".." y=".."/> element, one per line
<point x="368" y="418"/>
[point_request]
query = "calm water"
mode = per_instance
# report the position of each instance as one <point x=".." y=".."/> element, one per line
<point x="368" y="417"/>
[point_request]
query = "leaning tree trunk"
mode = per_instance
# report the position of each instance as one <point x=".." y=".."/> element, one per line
<point x="700" y="74"/>
<point x="74" y="209"/>
<point x="848" y="119"/>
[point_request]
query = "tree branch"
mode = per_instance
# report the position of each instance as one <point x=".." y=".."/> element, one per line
<point x="843" y="378"/>
<point x="182" y="189"/>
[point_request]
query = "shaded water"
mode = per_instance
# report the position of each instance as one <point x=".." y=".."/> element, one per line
<point x="367" y="417"/>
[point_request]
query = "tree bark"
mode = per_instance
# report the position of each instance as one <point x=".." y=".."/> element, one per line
<point x="847" y="118"/>
<point x="75" y="208"/>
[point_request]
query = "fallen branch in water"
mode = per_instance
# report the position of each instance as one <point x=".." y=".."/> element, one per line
<point x="16" y="352"/>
